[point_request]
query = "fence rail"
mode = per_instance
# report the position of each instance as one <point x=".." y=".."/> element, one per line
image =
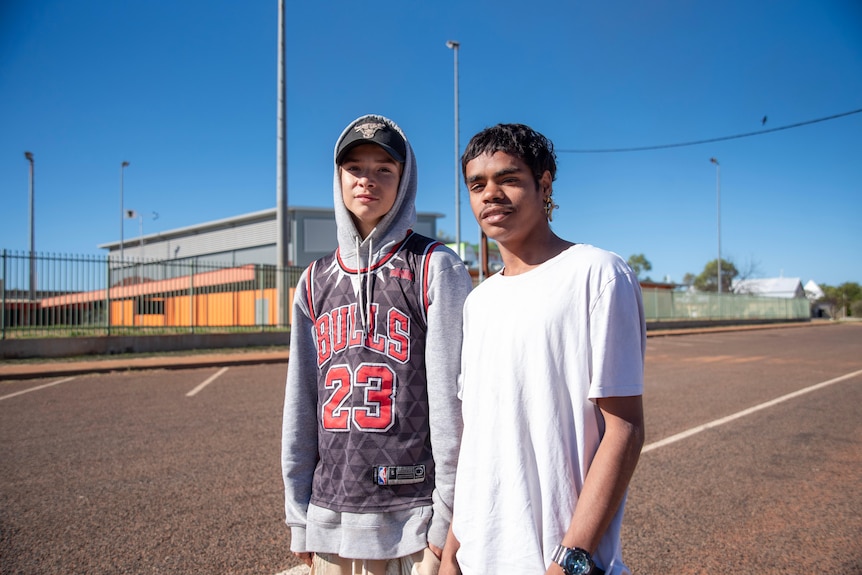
<point x="49" y="295"/>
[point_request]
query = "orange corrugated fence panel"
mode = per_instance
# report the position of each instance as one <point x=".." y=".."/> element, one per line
<point x="245" y="308"/>
<point x="219" y="308"/>
<point x="210" y="310"/>
<point x="150" y="320"/>
<point x="123" y="313"/>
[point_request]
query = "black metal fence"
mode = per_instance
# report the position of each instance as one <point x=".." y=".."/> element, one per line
<point x="51" y="295"/>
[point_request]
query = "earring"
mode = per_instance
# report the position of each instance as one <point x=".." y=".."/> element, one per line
<point x="550" y="206"/>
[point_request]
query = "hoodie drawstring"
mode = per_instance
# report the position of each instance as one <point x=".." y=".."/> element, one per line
<point x="364" y="302"/>
<point x="368" y="279"/>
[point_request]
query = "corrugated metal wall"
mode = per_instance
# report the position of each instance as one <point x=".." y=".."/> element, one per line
<point x="249" y="238"/>
<point x="205" y="243"/>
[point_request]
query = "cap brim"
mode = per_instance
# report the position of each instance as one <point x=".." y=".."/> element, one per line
<point x="388" y="149"/>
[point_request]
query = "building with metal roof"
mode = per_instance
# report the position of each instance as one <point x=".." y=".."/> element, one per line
<point x="249" y="238"/>
<point x="780" y="287"/>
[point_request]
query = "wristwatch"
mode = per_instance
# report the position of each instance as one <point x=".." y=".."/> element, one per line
<point x="574" y="561"/>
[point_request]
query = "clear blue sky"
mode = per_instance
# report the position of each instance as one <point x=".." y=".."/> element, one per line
<point x="186" y="92"/>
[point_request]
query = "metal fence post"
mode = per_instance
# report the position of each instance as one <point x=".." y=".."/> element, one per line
<point x="259" y="307"/>
<point x="108" y="316"/>
<point x="192" y="296"/>
<point x="3" y="309"/>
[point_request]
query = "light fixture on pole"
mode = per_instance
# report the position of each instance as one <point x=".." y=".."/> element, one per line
<point x="132" y="214"/>
<point x="29" y="156"/>
<point x="454" y="46"/>
<point x="718" y="211"/>
<point x="122" y="211"/>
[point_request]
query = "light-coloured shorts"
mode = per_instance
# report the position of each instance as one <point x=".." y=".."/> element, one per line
<point x="420" y="563"/>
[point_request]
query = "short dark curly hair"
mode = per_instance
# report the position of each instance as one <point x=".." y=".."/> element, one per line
<point x="519" y="140"/>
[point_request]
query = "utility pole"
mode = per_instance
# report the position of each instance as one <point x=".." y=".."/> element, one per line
<point x="123" y="166"/>
<point x="718" y="212"/>
<point x="282" y="221"/>
<point x="455" y="46"/>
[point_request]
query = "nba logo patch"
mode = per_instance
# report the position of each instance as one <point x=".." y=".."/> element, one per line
<point x="398" y="474"/>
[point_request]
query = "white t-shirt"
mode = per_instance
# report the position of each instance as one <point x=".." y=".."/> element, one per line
<point x="538" y="348"/>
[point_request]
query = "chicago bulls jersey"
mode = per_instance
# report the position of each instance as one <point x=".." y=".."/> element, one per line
<point x="373" y="436"/>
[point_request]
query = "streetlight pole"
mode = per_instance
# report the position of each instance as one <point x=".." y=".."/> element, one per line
<point x="454" y="46"/>
<point x="718" y="211"/>
<point x="282" y="242"/>
<point x="122" y="211"/>
<point x="29" y="156"/>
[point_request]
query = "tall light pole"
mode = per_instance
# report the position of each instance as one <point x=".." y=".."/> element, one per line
<point x="29" y="156"/>
<point x="282" y="222"/>
<point x="454" y="46"/>
<point x="718" y="211"/>
<point x="123" y="166"/>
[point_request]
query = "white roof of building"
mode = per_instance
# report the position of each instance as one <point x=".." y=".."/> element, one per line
<point x="813" y="291"/>
<point x="770" y="287"/>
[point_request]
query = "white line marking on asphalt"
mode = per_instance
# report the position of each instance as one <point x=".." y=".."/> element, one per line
<point x="23" y="391"/>
<point x="209" y="380"/>
<point x="744" y="412"/>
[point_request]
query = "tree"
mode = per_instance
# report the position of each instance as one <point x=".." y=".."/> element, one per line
<point x="842" y="300"/>
<point x="639" y="263"/>
<point x="707" y="281"/>
<point x="749" y="270"/>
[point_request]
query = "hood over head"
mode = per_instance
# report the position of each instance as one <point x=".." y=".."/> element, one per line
<point x="402" y="217"/>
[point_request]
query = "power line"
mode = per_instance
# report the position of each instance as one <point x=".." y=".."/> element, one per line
<point x="710" y="140"/>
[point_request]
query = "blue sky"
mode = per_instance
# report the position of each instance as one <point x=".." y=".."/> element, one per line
<point x="186" y="92"/>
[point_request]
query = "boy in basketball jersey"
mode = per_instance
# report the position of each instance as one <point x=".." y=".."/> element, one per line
<point x="372" y="422"/>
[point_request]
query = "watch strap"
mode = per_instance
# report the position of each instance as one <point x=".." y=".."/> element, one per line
<point x="561" y="551"/>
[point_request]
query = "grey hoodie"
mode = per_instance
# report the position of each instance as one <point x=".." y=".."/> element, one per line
<point x="383" y="535"/>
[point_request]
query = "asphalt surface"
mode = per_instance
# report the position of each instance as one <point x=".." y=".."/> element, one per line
<point x="170" y="465"/>
<point x="770" y="480"/>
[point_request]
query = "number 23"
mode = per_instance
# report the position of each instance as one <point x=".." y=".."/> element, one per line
<point x="376" y="414"/>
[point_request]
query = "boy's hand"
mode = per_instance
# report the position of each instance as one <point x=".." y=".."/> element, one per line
<point x="304" y="556"/>
<point x="448" y="563"/>
<point x="449" y="567"/>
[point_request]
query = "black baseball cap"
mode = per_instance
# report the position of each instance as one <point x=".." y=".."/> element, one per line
<point x="373" y="130"/>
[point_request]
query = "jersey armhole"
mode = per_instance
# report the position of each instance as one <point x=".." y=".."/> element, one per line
<point x="309" y="291"/>
<point x="426" y="264"/>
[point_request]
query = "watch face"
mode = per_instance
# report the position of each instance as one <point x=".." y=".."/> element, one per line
<point x="575" y="562"/>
